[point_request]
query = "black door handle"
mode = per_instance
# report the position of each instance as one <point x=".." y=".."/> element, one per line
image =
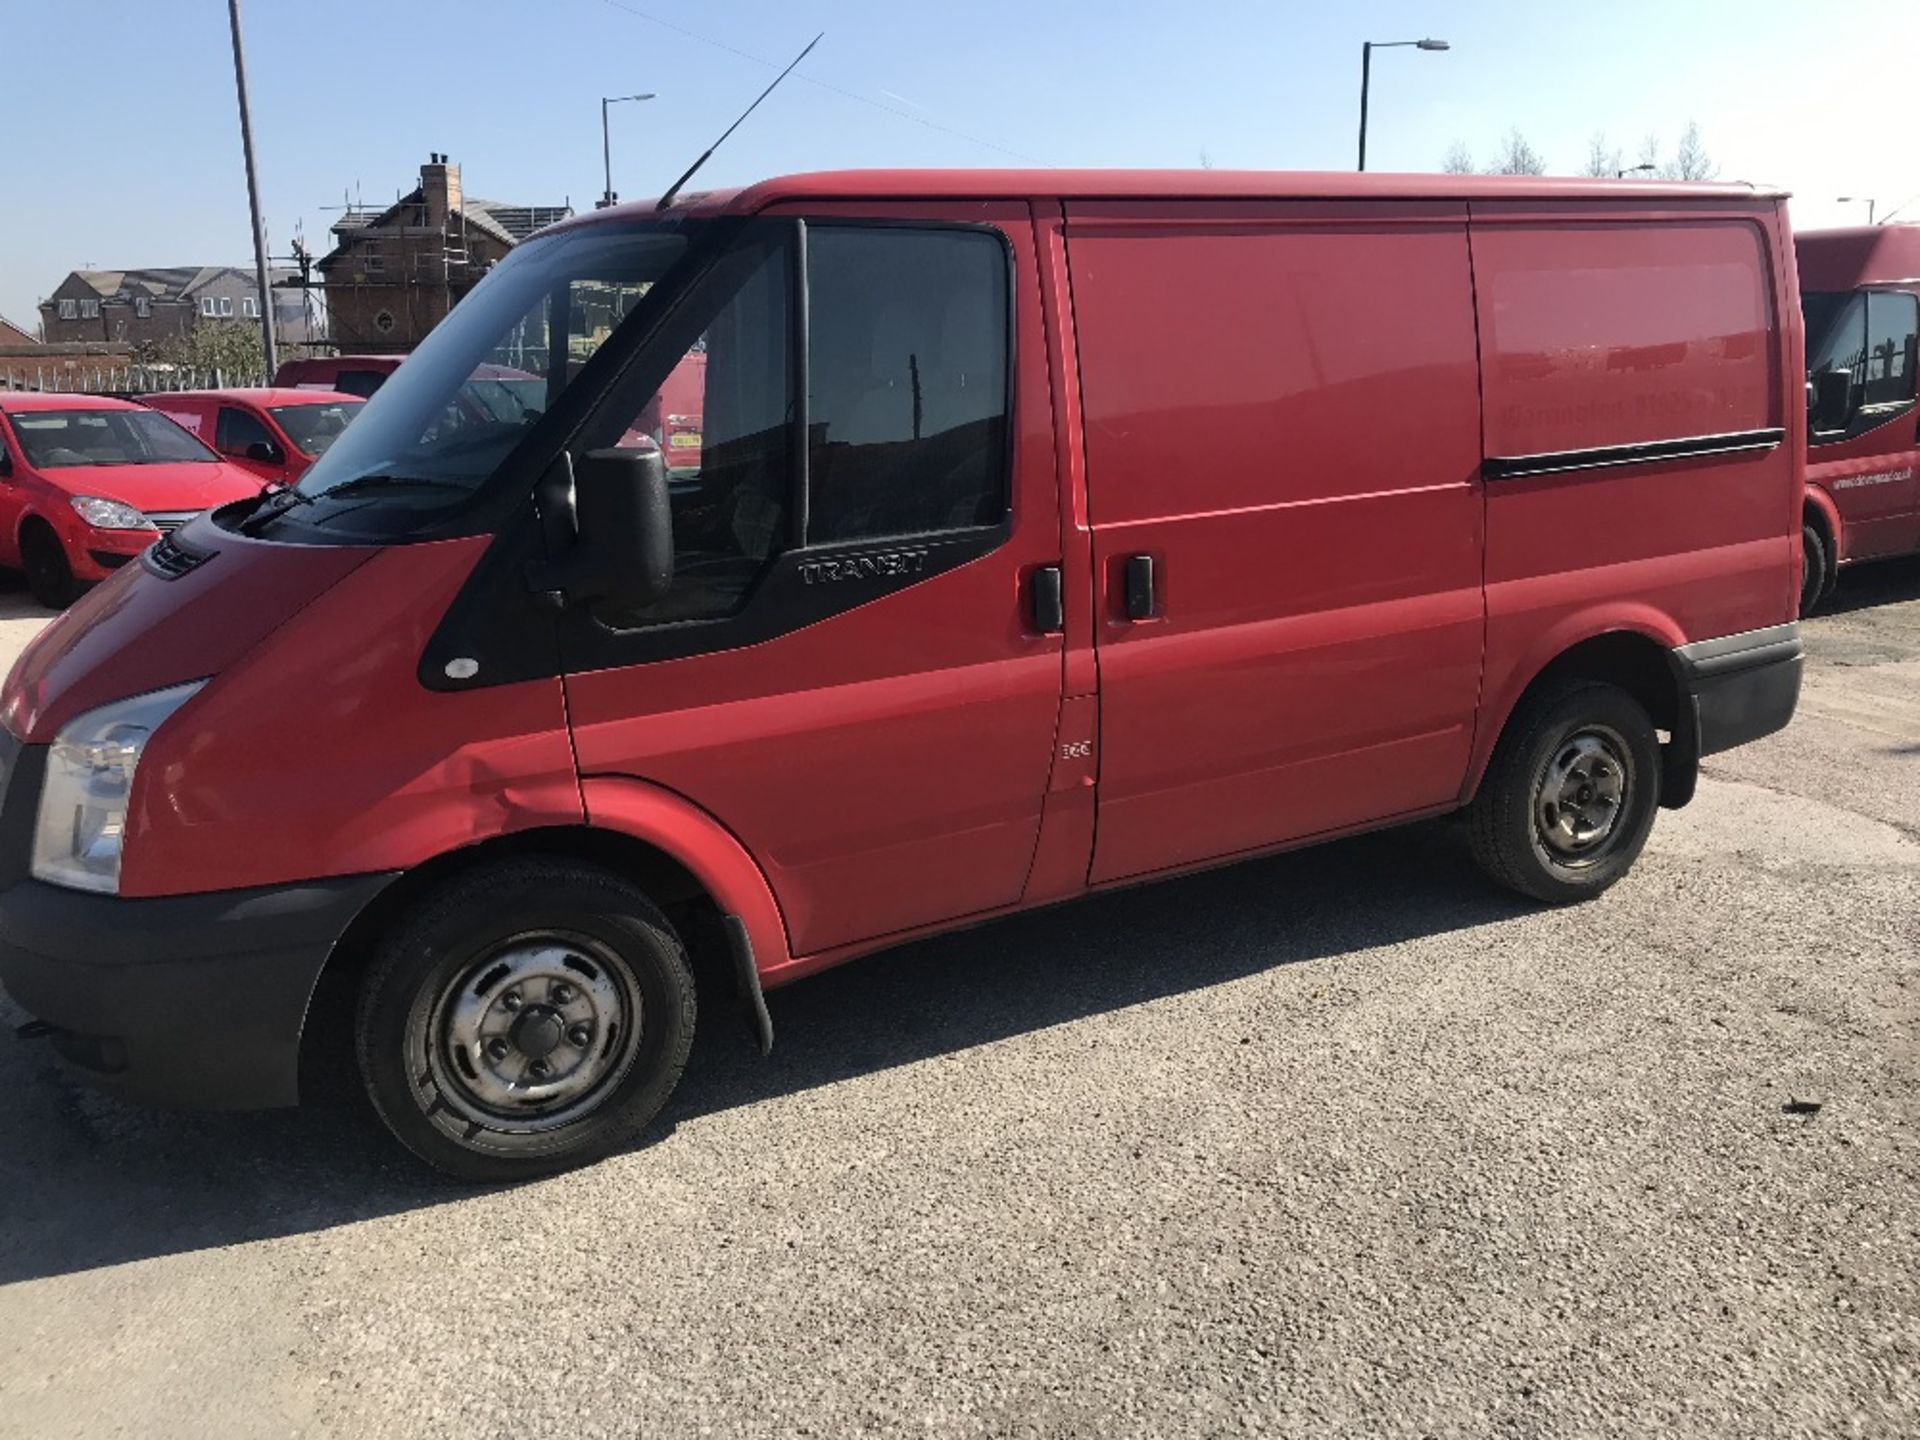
<point x="1140" y="587"/>
<point x="1049" y="606"/>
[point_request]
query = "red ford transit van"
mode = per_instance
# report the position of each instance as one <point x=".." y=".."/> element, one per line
<point x="1051" y="532"/>
<point x="273" y="434"/>
<point x="1860" y="291"/>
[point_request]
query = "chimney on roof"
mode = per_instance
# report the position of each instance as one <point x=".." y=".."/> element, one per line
<point x="440" y="187"/>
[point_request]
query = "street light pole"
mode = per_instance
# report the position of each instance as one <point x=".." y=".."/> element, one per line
<point x="607" y="197"/>
<point x="1366" y="75"/>
<point x="1866" y="200"/>
<point x="253" y="194"/>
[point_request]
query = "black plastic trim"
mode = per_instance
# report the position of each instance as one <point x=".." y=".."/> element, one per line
<point x="193" y="1000"/>
<point x="1742" y="687"/>
<point x="746" y="974"/>
<point x="23" y="770"/>
<point x="1514" y="467"/>
<point x="800" y="588"/>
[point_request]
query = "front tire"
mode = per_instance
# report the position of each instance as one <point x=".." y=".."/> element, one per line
<point x="49" y="575"/>
<point x="527" y="1018"/>
<point x="1569" y="797"/>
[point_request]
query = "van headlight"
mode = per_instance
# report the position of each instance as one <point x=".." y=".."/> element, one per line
<point x="83" y="804"/>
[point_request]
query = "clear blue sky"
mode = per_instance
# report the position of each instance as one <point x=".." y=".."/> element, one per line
<point x="122" y="148"/>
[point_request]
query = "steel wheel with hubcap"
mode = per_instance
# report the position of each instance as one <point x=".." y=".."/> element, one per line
<point x="529" y="1017"/>
<point x="1569" y="796"/>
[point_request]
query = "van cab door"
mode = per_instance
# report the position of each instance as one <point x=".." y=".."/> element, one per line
<point x="1865" y="459"/>
<point x="846" y="672"/>
<point x="1282" y="452"/>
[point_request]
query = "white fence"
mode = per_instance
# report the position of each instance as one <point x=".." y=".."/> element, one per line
<point x="125" y="379"/>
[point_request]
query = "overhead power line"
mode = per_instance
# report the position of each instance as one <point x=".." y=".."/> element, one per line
<point x="841" y="91"/>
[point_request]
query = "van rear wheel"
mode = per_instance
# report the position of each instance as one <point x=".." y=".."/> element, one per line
<point x="526" y="1018"/>
<point x="1570" y="794"/>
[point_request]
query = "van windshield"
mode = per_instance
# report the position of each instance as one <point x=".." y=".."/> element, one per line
<point x="479" y="382"/>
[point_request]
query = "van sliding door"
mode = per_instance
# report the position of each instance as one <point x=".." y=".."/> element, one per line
<point x="1283" y="447"/>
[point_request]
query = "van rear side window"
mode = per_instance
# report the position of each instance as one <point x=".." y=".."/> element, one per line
<point x="907" y="382"/>
<point x="1621" y="335"/>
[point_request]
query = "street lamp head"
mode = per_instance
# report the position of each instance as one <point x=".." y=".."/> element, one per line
<point x="1431" y="45"/>
<point x="617" y="99"/>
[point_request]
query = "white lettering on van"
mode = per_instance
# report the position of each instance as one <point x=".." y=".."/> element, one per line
<point x="1883" y="477"/>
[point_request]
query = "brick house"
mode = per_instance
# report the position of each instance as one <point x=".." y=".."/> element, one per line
<point x="12" y="334"/>
<point x="393" y="274"/>
<point x="138" y="307"/>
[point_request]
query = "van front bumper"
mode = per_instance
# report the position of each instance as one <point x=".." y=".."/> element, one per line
<point x="1742" y="686"/>
<point x="192" y="1000"/>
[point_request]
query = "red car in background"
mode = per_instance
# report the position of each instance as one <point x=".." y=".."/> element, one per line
<point x="274" y="434"/>
<point x="87" y="483"/>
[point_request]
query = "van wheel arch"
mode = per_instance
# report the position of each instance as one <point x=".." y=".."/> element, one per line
<point x="326" y="1036"/>
<point x="1646" y="670"/>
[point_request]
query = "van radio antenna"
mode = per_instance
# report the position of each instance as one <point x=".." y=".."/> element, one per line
<point x="707" y="154"/>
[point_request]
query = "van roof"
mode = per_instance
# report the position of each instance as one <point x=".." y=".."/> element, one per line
<point x="1858" y="255"/>
<point x="1172" y="185"/>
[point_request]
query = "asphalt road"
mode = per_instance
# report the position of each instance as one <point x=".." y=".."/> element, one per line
<point x="1343" y="1142"/>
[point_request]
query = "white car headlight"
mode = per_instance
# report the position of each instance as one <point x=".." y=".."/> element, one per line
<point x="105" y="514"/>
<point x="83" y="804"/>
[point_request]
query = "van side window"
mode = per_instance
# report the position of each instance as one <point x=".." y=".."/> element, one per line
<point x="1893" y="334"/>
<point x="236" y="430"/>
<point x="907" y="381"/>
<point x="723" y="420"/>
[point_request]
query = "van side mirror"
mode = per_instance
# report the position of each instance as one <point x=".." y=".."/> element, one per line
<point x="265" y="452"/>
<point x="624" y="517"/>
<point x="1830" y="400"/>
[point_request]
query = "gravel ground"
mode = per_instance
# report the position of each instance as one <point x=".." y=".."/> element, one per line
<point x="1343" y="1142"/>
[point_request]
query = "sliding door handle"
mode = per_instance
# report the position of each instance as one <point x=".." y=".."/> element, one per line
<point x="1049" y="605"/>
<point x="1140" y="596"/>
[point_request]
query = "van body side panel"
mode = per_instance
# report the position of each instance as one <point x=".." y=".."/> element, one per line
<point x="380" y="773"/>
<point x="886" y="766"/>
<point x="1282" y="416"/>
<point x="1600" y="332"/>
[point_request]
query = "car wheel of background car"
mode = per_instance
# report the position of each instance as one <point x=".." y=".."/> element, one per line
<point x="526" y="1018"/>
<point x="1570" y="794"/>
<point x="49" y="576"/>
<point x="1816" y="574"/>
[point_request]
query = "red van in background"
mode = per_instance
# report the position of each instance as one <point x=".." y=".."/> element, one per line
<point x="1860" y="291"/>
<point x="274" y="434"/>
<point x="1051" y="532"/>
<point x="88" y="482"/>
<point x="346" y="374"/>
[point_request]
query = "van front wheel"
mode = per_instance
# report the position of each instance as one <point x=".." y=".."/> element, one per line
<point x="526" y="1018"/>
<point x="1570" y="794"/>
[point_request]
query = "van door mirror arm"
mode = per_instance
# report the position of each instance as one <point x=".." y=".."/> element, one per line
<point x="622" y="550"/>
